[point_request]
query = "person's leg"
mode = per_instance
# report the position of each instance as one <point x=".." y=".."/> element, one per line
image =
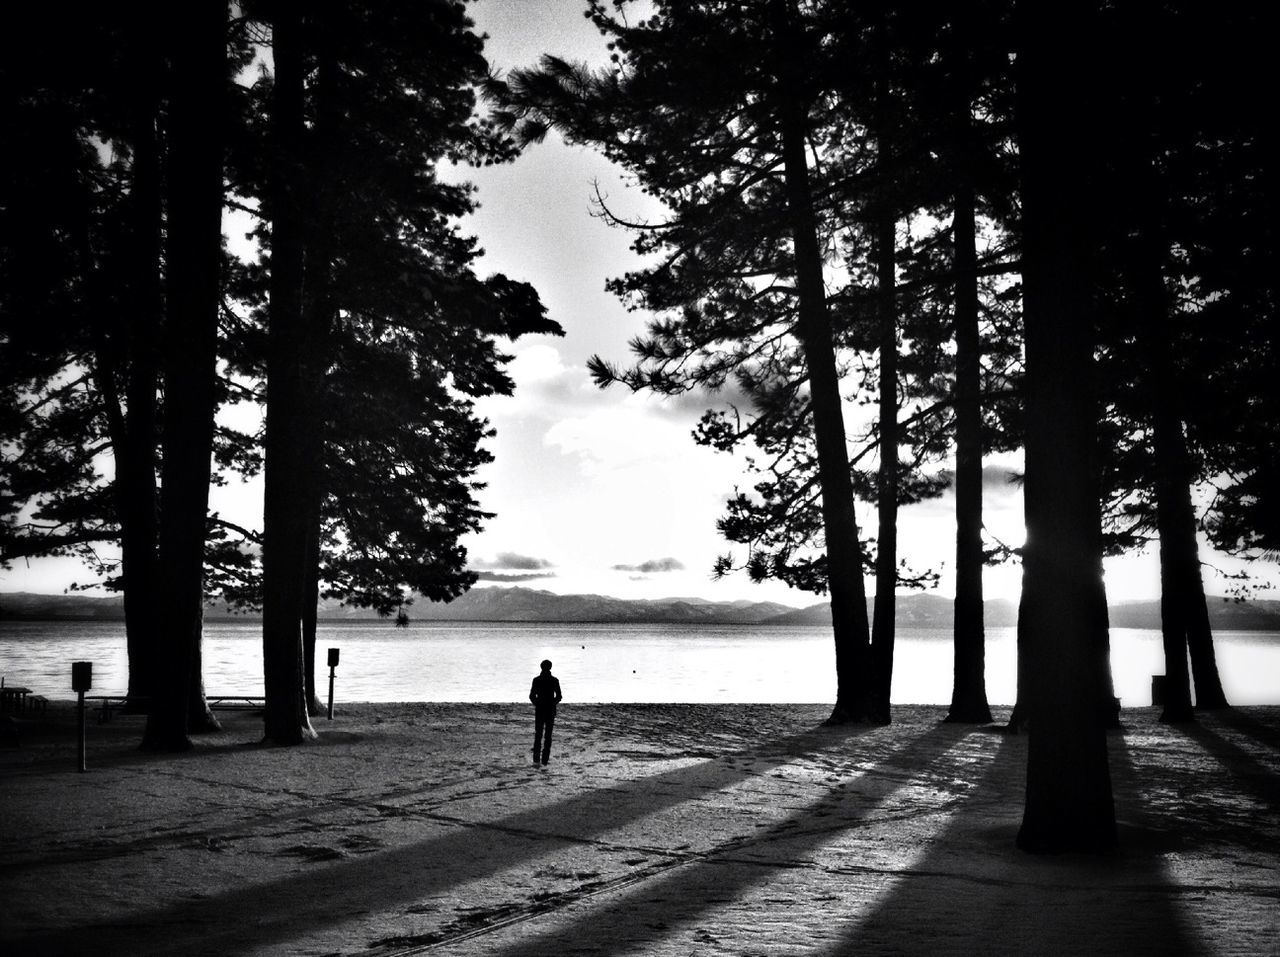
<point x="546" y="741"/>
<point x="538" y="719"/>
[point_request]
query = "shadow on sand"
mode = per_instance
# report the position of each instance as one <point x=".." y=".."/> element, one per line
<point x="970" y="891"/>
<point x="913" y="855"/>
<point x="1264" y="734"/>
<point x="646" y="915"/>
<point x="1262" y="781"/>
<point x="248" y="918"/>
<point x="975" y="893"/>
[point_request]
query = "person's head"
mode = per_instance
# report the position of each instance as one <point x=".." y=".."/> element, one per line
<point x="546" y="665"/>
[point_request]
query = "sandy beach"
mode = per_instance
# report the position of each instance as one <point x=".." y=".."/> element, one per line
<point x="656" y="829"/>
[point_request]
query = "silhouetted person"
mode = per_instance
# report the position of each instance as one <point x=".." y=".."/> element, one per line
<point x="545" y="695"/>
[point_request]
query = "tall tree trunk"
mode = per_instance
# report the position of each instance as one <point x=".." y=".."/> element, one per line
<point x="969" y="687"/>
<point x="136" y="456"/>
<point x="197" y="35"/>
<point x="285" y="512"/>
<point x="886" y="242"/>
<point x="844" y="551"/>
<point x="1175" y="526"/>
<point x="1020" y="716"/>
<point x="1184" y="619"/>
<point x="1069" y="803"/>
<point x="319" y="314"/>
<point x="200" y="717"/>
<point x="310" y="489"/>
<point x="309" y="623"/>
<point x="882" y="627"/>
<point x="969" y="682"/>
<point x="314" y="494"/>
<point x="1204" y="663"/>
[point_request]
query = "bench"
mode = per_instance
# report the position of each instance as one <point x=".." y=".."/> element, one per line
<point x="13" y="698"/>
<point x="235" y="702"/>
<point x="108" y="704"/>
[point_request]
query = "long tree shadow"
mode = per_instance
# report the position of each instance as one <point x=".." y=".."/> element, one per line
<point x="243" y="919"/>
<point x="975" y="893"/>
<point x="1240" y="720"/>
<point x="205" y="821"/>
<point x="643" y="916"/>
<point x="1244" y="766"/>
<point x="1219" y="792"/>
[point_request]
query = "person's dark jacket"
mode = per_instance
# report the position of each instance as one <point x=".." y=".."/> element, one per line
<point x="545" y="692"/>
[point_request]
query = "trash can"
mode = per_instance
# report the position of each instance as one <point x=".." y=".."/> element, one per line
<point x="1157" y="691"/>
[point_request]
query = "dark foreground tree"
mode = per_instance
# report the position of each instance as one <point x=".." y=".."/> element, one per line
<point x="840" y="527"/>
<point x="197" y="42"/>
<point x="1220" y="157"/>
<point x="885" y="239"/>
<point x="969" y="690"/>
<point x="289" y="473"/>
<point x="1151" y="342"/>
<point x="1063" y="615"/>
<point x="81" y="305"/>
<point x="134" y="433"/>
<point x="379" y="334"/>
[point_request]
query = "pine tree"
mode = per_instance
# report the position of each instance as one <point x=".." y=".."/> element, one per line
<point x="381" y="333"/>
<point x="1062" y="616"/>
<point x="740" y="285"/>
<point x="195" y="39"/>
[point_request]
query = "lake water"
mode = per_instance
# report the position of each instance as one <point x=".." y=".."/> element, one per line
<point x="494" y="662"/>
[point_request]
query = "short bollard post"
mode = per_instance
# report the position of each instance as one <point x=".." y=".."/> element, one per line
<point x="333" y="663"/>
<point x="81" y="681"/>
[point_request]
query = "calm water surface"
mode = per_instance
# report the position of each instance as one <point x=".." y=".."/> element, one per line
<point x="495" y="662"/>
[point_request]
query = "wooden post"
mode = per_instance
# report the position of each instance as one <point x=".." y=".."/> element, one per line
<point x="81" y="681"/>
<point x="333" y="664"/>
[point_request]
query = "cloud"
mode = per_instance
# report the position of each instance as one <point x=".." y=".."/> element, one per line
<point x="686" y="408"/>
<point x="653" y="565"/>
<point x="545" y="386"/>
<point x="618" y="432"/>
<point x="550" y="389"/>
<point x="508" y="579"/>
<point x="514" y="560"/>
<point x="537" y="363"/>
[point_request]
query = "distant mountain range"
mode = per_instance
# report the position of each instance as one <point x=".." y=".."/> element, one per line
<point x="518" y="604"/>
<point x="935" y="611"/>
<point x="479" y="604"/>
<point x="528" y="604"/>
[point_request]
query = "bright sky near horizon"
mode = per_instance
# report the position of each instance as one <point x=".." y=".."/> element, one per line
<point x="604" y="491"/>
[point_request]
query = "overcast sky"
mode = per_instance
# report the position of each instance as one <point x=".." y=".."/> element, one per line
<point x="604" y="491"/>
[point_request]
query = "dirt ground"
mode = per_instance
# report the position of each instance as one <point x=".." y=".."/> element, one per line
<point x="656" y="829"/>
